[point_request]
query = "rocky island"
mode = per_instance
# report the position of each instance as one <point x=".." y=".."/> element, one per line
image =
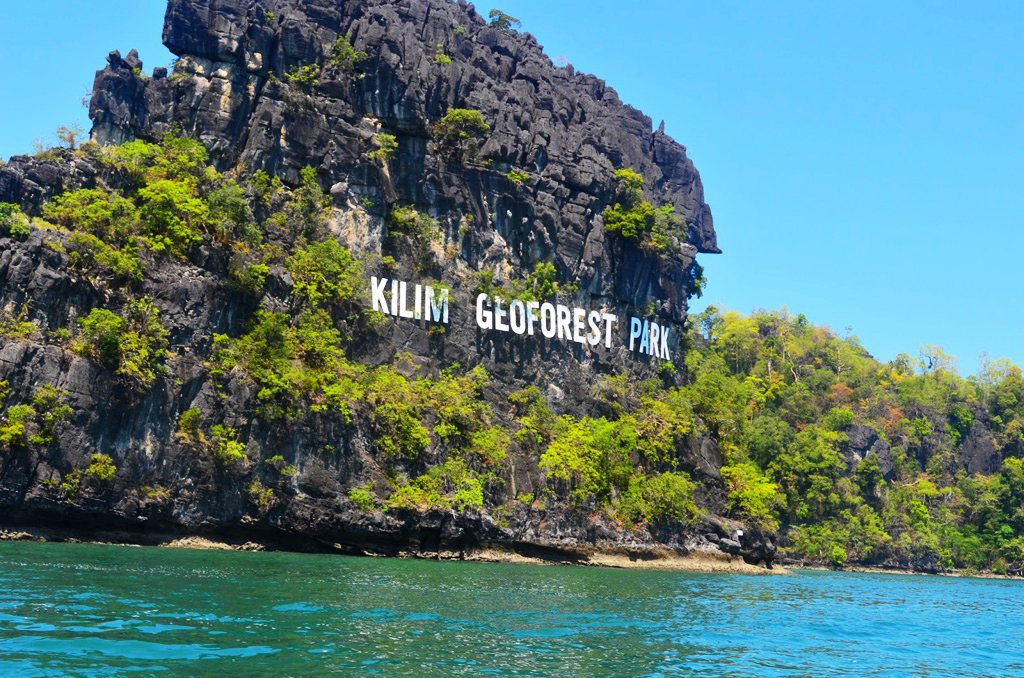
<point x="195" y="340"/>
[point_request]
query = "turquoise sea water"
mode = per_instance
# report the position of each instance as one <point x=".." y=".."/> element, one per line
<point x="108" y="610"/>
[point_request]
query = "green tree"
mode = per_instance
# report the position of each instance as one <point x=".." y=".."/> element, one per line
<point x="230" y="217"/>
<point x="173" y="215"/>
<point x="457" y="134"/>
<point x="451" y="484"/>
<point x="808" y="473"/>
<point x="101" y="337"/>
<point x="52" y="410"/>
<point x="101" y="468"/>
<point x="305" y="77"/>
<point x="12" y="221"/>
<point x="344" y="56"/>
<point x="752" y="497"/>
<point x="228" y="452"/>
<point x="666" y="498"/>
<point x="106" y="215"/>
<point x="502" y="21"/>
<point x="638" y="220"/>
<point x="14" y="426"/>
<point x="588" y="457"/>
<point x="326" y="272"/>
<point x="133" y="345"/>
<point x="386" y="145"/>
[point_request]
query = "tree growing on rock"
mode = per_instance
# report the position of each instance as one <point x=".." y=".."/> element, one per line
<point x="502" y="21"/>
<point x="638" y="220"/>
<point x="458" y="133"/>
<point x="133" y="346"/>
<point x="69" y="135"/>
<point x="344" y="56"/>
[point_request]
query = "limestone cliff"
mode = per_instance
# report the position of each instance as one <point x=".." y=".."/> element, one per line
<point x="280" y="85"/>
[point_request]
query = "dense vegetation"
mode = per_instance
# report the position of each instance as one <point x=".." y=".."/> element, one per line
<point x="439" y="440"/>
<point x="785" y="399"/>
<point x="637" y="219"/>
<point x="850" y="459"/>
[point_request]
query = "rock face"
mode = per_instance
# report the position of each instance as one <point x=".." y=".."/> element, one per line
<point x="864" y="440"/>
<point x="568" y="131"/>
<point x="233" y="88"/>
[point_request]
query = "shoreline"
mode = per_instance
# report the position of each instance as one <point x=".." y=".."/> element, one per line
<point x="614" y="556"/>
<point x="870" y="569"/>
<point x="657" y="559"/>
<point x="664" y="560"/>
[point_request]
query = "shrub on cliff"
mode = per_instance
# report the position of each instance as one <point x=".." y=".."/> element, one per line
<point x="262" y="496"/>
<point x="133" y="345"/>
<point x="451" y="485"/>
<point x="517" y="177"/>
<point x="535" y="419"/>
<point x="491" y="445"/>
<point x="170" y="199"/>
<point x="752" y="496"/>
<point x="278" y="463"/>
<point x="247" y="277"/>
<point x="14" y="425"/>
<point x="229" y="215"/>
<point x="101" y="468"/>
<point x="364" y="498"/>
<point x="305" y="77"/>
<point x="227" y="451"/>
<point x="457" y="134"/>
<point x="344" y="56"/>
<point x="295" y="364"/>
<point x="306" y="210"/>
<point x="51" y="408"/>
<point x="175" y="157"/>
<point x="588" y="457"/>
<point x="106" y="215"/>
<point x="13" y="222"/>
<point x="173" y="215"/>
<point x="441" y="57"/>
<point x="188" y="425"/>
<point x="106" y="231"/>
<point x="326" y="273"/>
<point x="386" y="145"/>
<point x="666" y="498"/>
<point x="542" y="283"/>
<point x="33" y="424"/>
<point x="419" y="229"/>
<point x="636" y="219"/>
<point x="397" y="417"/>
<point x="16" y="326"/>
<point x="407" y="220"/>
<point x="454" y="404"/>
<point x="90" y="254"/>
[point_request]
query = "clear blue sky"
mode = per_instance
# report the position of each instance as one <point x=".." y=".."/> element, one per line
<point x="863" y="160"/>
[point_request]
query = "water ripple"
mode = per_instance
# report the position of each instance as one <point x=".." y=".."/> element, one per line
<point x="97" y="610"/>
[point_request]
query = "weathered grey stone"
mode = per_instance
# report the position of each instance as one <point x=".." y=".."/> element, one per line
<point x="229" y="89"/>
<point x="863" y="440"/>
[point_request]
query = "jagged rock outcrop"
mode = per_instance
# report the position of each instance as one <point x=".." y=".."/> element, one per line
<point x="568" y="131"/>
<point x="863" y="440"/>
<point x="230" y="88"/>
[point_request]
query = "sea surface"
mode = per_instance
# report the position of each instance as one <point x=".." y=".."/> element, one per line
<point x="91" y="610"/>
